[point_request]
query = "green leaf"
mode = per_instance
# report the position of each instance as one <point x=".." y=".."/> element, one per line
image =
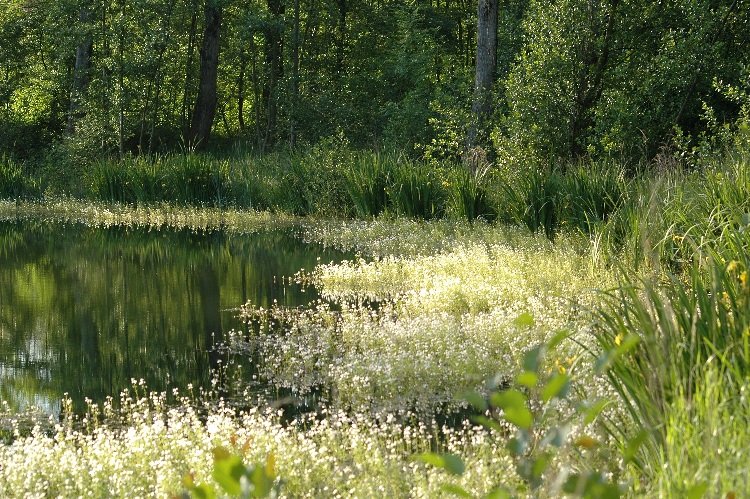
<point x="455" y="490"/>
<point x="633" y="445"/>
<point x="532" y="358"/>
<point x="203" y="491"/>
<point x="528" y="379"/>
<point x="626" y="345"/>
<point x="539" y="465"/>
<point x="592" y="412"/>
<point x="508" y="399"/>
<point x="519" y="416"/>
<point x="262" y="482"/>
<point x="432" y="459"/>
<point x="513" y="404"/>
<point x="454" y="464"/>
<point x="698" y="490"/>
<point x="558" y="386"/>
<point x="449" y="462"/>
<point x="227" y="473"/>
<point x="524" y="320"/>
<point x="498" y="494"/>
<point x="558" y="338"/>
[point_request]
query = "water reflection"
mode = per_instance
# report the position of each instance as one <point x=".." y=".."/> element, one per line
<point x="85" y="310"/>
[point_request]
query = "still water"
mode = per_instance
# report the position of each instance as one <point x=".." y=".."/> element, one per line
<point x="84" y="310"/>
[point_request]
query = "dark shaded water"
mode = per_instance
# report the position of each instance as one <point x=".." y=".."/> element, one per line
<point x="85" y="310"/>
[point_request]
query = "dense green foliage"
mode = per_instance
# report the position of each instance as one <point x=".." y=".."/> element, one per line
<point x="81" y="81"/>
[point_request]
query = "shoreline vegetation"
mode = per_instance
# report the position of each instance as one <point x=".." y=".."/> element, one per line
<point x="595" y="321"/>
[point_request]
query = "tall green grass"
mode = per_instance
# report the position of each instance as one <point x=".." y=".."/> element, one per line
<point x="368" y="182"/>
<point x="14" y="182"/>
<point x="182" y="179"/>
<point x="417" y="191"/>
<point x="661" y="341"/>
<point x="468" y="197"/>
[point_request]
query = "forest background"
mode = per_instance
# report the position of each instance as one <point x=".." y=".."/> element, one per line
<point x="638" y="82"/>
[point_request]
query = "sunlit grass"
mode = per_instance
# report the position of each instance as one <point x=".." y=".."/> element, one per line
<point x="707" y="443"/>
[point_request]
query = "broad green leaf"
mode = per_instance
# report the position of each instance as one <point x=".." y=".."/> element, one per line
<point x="202" y="491"/>
<point x="188" y="480"/>
<point x="524" y="320"/>
<point x="227" y="473"/>
<point x="513" y="404"/>
<point x="519" y="416"/>
<point x="271" y="466"/>
<point x="532" y="358"/>
<point x="508" y="399"/>
<point x="558" y="386"/>
<point x="261" y="481"/>
<point x="455" y="490"/>
<point x="454" y="464"/>
<point x="528" y="379"/>
<point x="697" y="491"/>
<point x="432" y="459"/>
<point x="539" y="465"/>
<point x="449" y="462"/>
<point x="498" y="494"/>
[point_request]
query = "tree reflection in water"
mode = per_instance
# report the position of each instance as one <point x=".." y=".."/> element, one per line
<point x="84" y="310"/>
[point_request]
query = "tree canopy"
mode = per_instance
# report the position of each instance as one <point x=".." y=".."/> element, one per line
<point x="572" y="78"/>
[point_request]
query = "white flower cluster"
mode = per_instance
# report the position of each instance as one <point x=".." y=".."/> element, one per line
<point x="414" y="332"/>
<point x="336" y="456"/>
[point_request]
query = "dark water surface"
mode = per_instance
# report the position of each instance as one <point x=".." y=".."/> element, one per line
<point x="84" y="310"/>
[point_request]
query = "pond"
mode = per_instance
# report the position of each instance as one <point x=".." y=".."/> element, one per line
<point x="85" y="310"/>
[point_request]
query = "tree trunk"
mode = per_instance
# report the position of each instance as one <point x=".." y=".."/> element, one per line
<point x="295" y="76"/>
<point x="486" y="62"/>
<point x="341" y="41"/>
<point x="274" y="52"/>
<point x="205" y="107"/>
<point x="81" y="73"/>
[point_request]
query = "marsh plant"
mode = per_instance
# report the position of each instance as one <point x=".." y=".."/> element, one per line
<point x="14" y="182"/>
<point x="397" y="317"/>
<point x="150" y="449"/>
